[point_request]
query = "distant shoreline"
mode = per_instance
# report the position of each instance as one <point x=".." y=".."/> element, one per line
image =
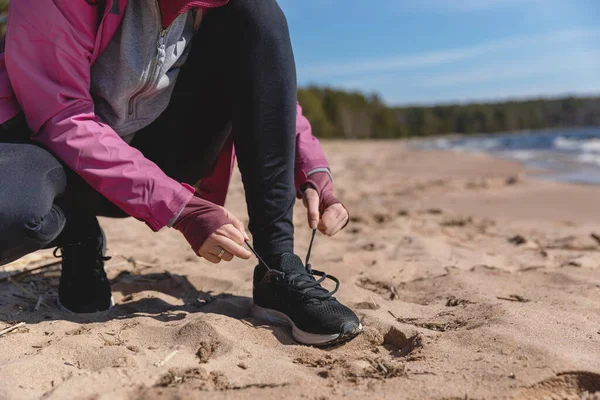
<point x="564" y="155"/>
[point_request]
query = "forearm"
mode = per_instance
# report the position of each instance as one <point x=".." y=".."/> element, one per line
<point x="113" y="168"/>
<point x="310" y="157"/>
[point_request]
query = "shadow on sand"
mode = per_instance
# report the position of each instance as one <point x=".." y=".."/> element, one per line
<point x="17" y="300"/>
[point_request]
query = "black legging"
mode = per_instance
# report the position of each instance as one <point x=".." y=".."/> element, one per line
<point x="240" y="75"/>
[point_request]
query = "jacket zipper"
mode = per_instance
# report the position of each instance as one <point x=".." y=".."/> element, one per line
<point x="154" y="66"/>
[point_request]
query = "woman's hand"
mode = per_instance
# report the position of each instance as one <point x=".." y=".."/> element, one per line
<point x="324" y="211"/>
<point x="212" y="231"/>
<point x="334" y="218"/>
<point x="229" y="238"/>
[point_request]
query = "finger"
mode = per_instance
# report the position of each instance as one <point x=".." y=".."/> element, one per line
<point x="233" y="248"/>
<point x="330" y="216"/>
<point x="340" y="223"/>
<point x="227" y="256"/>
<point x="322" y="227"/>
<point x="312" y="204"/>
<point x="211" y="258"/>
<point x="333" y="219"/>
<point x="233" y="233"/>
<point x="325" y="227"/>
<point x="239" y="225"/>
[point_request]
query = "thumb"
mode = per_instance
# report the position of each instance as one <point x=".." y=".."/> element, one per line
<point x="311" y="201"/>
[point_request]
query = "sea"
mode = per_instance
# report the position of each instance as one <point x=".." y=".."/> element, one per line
<point x="571" y="155"/>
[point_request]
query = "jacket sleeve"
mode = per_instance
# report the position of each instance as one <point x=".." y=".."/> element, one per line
<point x="49" y="46"/>
<point x="310" y="157"/>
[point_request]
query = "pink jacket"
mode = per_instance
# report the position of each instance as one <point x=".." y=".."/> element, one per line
<point x="50" y="46"/>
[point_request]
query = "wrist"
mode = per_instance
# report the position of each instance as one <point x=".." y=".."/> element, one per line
<point x="318" y="180"/>
<point x="321" y="181"/>
<point x="198" y="220"/>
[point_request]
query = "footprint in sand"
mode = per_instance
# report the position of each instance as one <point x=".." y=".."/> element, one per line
<point x="399" y="344"/>
<point x="468" y="317"/>
<point x="380" y="353"/>
<point x="366" y="305"/>
<point x="193" y="378"/>
<point x="566" y="385"/>
<point x="380" y="288"/>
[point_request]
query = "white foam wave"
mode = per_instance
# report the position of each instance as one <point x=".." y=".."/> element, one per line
<point x="592" y="146"/>
<point x="443" y="143"/>
<point x="584" y="145"/>
<point x="485" y="144"/>
<point x="522" y="155"/>
<point x="477" y="145"/>
<point x="589" y="158"/>
<point x="563" y="143"/>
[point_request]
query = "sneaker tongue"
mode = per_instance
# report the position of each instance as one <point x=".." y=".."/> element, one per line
<point x="291" y="263"/>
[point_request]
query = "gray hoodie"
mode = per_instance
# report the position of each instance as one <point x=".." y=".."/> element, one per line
<point x="133" y="79"/>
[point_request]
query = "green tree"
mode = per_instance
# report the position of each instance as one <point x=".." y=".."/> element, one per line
<point x="312" y="108"/>
<point x="3" y="12"/>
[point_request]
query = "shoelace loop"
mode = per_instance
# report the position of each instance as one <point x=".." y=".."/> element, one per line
<point x="56" y="251"/>
<point x="311" y="288"/>
<point x="305" y="284"/>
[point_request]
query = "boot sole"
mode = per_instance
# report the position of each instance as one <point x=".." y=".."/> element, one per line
<point x="274" y="317"/>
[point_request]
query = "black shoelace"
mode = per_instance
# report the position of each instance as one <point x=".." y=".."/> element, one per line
<point x="305" y="283"/>
<point x="98" y="256"/>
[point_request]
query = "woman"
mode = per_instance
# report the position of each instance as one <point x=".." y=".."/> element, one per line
<point x="113" y="108"/>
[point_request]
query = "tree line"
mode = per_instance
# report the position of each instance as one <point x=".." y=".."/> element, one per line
<point x="341" y="114"/>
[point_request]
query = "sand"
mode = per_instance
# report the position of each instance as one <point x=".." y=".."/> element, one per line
<point x="473" y="279"/>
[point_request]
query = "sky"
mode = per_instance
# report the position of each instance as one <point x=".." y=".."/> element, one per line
<point x="443" y="51"/>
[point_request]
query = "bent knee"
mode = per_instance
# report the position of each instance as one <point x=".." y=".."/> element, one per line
<point x="21" y="155"/>
<point x="25" y="167"/>
<point x="23" y="222"/>
<point x="264" y="18"/>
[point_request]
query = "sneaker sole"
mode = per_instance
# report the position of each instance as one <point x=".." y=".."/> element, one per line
<point x="274" y="317"/>
<point x="66" y="310"/>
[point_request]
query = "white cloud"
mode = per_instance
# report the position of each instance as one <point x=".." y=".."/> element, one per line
<point x="557" y="63"/>
<point x="386" y="64"/>
<point x="436" y="58"/>
<point x="559" y="73"/>
<point x="458" y="5"/>
<point x="509" y="92"/>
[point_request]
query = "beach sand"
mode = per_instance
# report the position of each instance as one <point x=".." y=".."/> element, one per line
<point x="472" y="279"/>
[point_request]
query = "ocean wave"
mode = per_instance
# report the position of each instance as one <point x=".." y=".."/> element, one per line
<point x="443" y="144"/>
<point x="478" y="144"/>
<point x="581" y="145"/>
<point x="485" y="144"/>
<point x="571" y="155"/>
<point x="522" y="155"/>
<point x="589" y="158"/>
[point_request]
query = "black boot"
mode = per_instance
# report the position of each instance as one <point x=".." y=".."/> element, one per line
<point x="84" y="287"/>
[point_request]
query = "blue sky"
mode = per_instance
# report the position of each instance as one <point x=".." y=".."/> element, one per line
<point x="432" y="51"/>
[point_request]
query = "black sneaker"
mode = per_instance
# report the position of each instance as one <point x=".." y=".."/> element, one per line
<point x="84" y="287"/>
<point x="290" y="295"/>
